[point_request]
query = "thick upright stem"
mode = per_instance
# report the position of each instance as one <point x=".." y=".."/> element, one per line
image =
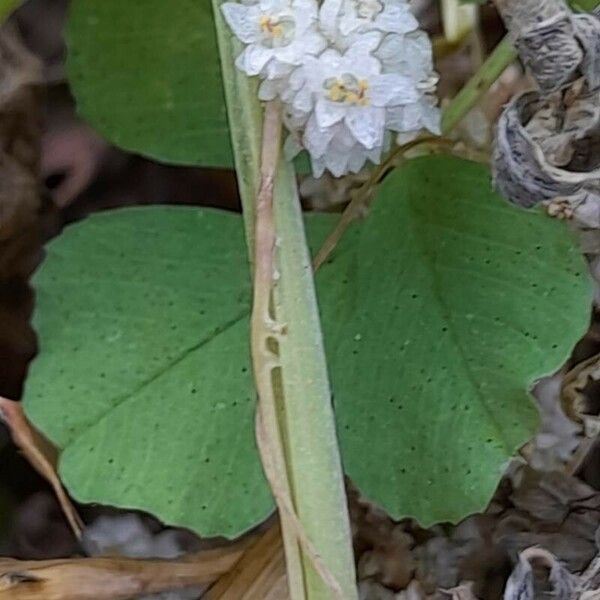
<point x="295" y="426"/>
<point x="313" y="455"/>
<point x="263" y="339"/>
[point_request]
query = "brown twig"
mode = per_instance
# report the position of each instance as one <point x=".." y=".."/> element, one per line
<point x="362" y="197"/>
<point x="41" y="454"/>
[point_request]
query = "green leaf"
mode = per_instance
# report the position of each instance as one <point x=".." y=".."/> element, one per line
<point x="7" y="7"/>
<point x="584" y="5"/>
<point x="146" y="75"/>
<point x="144" y="374"/>
<point x="440" y="312"/>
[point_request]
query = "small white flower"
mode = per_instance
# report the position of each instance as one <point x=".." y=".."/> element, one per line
<point x="411" y="55"/>
<point x="278" y="34"/>
<point x="343" y="154"/>
<point x="348" y="88"/>
<point x="411" y="119"/>
<point x="348" y="74"/>
<point x="341" y="19"/>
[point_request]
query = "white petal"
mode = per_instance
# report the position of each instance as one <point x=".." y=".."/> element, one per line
<point x="273" y="6"/>
<point x="367" y="125"/>
<point x="313" y="42"/>
<point x="328" y="17"/>
<point x="398" y="19"/>
<point x="306" y="11"/>
<point x="254" y="58"/>
<point x="318" y="166"/>
<point x="337" y="162"/>
<point x="243" y="20"/>
<point x="375" y="155"/>
<point x="290" y="54"/>
<point x="315" y="139"/>
<point x="303" y="100"/>
<point x="329" y="113"/>
<point x="404" y="118"/>
<point x="344" y="137"/>
<point x="391" y="89"/>
<point x="268" y="90"/>
<point x="410" y="55"/>
<point x="366" y="43"/>
<point x="432" y="117"/>
<point x="330" y="60"/>
<point x="418" y="51"/>
<point x="277" y="69"/>
<point x="356" y="159"/>
<point x="349" y="23"/>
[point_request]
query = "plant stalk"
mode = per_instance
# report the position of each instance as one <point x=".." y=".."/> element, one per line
<point x="501" y="57"/>
<point x="295" y="422"/>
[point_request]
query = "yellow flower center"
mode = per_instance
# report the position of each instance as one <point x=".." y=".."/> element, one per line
<point x="277" y="31"/>
<point x="347" y="89"/>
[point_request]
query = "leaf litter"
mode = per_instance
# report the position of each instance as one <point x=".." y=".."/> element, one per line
<point x="538" y="538"/>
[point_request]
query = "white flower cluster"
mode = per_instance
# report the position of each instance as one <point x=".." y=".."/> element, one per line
<point x="349" y="73"/>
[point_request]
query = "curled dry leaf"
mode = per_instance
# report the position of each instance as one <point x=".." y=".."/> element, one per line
<point x="554" y="43"/>
<point x="548" y="142"/>
<point x="111" y="579"/>
<point x="544" y="34"/>
<point x="547" y="149"/>
<point x="40" y="453"/>
<point x="525" y="583"/>
<point x="577" y="405"/>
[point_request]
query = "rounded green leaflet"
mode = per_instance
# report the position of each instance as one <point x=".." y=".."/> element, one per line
<point x="438" y="311"/>
<point x="147" y="76"/>
<point x="446" y="305"/>
<point x="143" y="377"/>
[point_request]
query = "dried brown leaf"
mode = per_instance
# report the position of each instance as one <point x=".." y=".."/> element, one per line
<point x="112" y="578"/>
<point x="544" y="34"/>
<point x="259" y="575"/>
<point x="524" y="585"/>
<point x="534" y="138"/>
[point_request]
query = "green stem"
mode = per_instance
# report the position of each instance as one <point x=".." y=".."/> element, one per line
<point x="245" y="121"/>
<point x="288" y="354"/>
<point x="497" y="62"/>
<point x="314" y="459"/>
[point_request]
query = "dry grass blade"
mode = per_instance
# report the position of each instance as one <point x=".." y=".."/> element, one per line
<point x="111" y="579"/>
<point x="40" y="453"/>
<point x="259" y="575"/>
